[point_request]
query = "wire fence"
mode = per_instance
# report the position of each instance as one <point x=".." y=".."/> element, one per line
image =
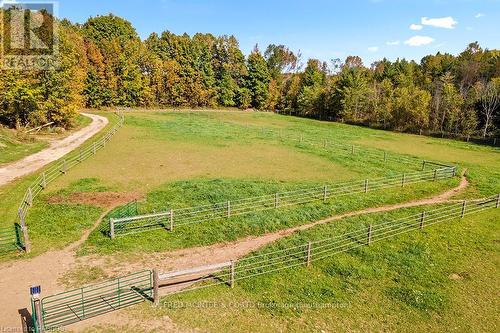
<point x="58" y="169"/>
<point x="305" y="254"/>
<point x="171" y="219"/>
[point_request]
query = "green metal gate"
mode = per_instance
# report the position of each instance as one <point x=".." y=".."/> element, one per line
<point x="79" y="304"/>
<point x="10" y="238"/>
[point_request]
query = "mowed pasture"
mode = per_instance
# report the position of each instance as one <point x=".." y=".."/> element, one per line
<point x="179" y="159"/>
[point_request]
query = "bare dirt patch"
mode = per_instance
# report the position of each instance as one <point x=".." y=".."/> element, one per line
<point x="98" y="199"/>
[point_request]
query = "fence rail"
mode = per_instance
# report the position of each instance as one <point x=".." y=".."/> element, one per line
<point x="79" y="304"/>
<point x="305" y="254"/>
<point x="60" y="168"/>
<point x="171" y="219"/>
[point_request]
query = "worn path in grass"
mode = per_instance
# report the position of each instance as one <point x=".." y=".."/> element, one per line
<point x="56" y="150"/>
<point x="48" y="269"/>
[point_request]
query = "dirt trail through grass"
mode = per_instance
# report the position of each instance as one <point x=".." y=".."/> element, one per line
<point x="57" y="149"/>
<point x="48" y="269"/>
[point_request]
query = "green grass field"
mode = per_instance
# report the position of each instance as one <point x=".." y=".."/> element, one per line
<point x="443" y="277"/>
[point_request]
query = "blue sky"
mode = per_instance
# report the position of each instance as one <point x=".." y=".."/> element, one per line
<point x="322" y="29"/>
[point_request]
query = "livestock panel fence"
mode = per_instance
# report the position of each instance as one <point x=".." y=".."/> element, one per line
<point x="56" y="170"/>
<point x="59" y="310"/>
<point x="172" y="218"/>
<point x="11" y="238"/>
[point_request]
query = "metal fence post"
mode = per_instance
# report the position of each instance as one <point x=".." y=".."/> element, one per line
<point x="422" y="219"/>
<point x="308" y="258"/>
<point x="156" y="288"/>
<point x="366" y="185"/>
<point x="369" y="234"/>
<point x="24" y="228"/>
<point x="36" y="308"/>
<point x="325" y="193"/>
<point x="112" y="228"/>
<point x="231" y="283"/>
<point x="464" y="206"/>
<point x="171" y="220"/>
<point x="228" y="208"/>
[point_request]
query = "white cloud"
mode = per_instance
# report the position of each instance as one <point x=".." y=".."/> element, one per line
<point x="373" y="48"/>
<point x="447" y="22"/>
<point x="391" y="43"/>
<point x="416" y="27"/>
<point x="419" y="40"/>
<point x="478" y="15"/>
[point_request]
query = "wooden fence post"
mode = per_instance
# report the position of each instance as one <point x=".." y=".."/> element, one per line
<point x="325" y="193"/>
<point x="423" y="164"/>
<point x="30" y="197"/>
<point x="308" y="258"/>
<point x="454" y="172"/>
<point x="276" y="200"/>
<point x="112" y="228"/>
<point x="324" y="144"/>
<point x="171" y="220"/>
<point x="156" y="287"/>
<point x="24" y="228"/>
<point x="403" y="179"/>
<point x="435" y="174"/>
<point x="352" y="149"/>
<point x="369" y="234"/>
<point x="231" y="283"/>
<point x="366" y="185"/>
<point x="385" y="156"/>
<point x="498" y="201"/>
<point x="422" y="220"/>
<point x="44" y="180"/>
<point x="228" y="208"/>
<point x="464" y="206"/>
<point x="80" y="158"/>
<point x="301" y="138"/>
<point x="94" y="148"/>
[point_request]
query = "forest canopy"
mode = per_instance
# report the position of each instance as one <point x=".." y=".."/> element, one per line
<point x="104" y="63"/>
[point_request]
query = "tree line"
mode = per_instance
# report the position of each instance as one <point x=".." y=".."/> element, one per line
<point x="104" y="63"/>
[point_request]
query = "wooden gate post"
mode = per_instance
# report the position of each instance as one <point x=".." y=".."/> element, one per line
<point x="422" y="219"/>
<point x="24" y="228"/>
<point x="112" y="228"/>
<point x="308" y="258"/>
<point x="171" y="220"/>
<point x="464" y="206"/>
<point x="156" y="288"/>
<point x="231" y="282"/>
<point x="369" y="234"/>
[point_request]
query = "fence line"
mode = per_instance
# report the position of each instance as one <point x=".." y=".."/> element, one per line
<point x="60" y="168"/>
<point x="184" y="216"/>
<point x="306" y="253"/>
<point x="75" y="305"/>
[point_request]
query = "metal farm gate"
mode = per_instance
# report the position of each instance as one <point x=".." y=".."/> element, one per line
<point x="79" y="304"/>
<point x="10" y="238"/>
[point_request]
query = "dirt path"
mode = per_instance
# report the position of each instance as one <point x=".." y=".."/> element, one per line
<point x="56" y="150"/>
<point x="48" y="268"/>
